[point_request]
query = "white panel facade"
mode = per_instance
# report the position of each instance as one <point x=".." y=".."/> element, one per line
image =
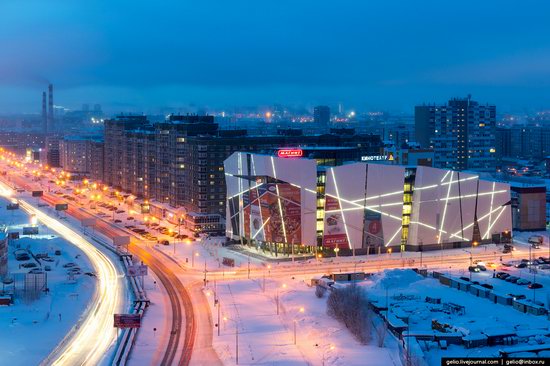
<point x="367" y="213"/>
<point x="299" y="173"/>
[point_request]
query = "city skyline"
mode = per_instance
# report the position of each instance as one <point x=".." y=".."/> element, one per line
<point x="217" y="55"/>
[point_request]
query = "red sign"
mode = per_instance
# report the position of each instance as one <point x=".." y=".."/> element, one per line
<point x="290" y="153"/>
<point x="127" y="320"/>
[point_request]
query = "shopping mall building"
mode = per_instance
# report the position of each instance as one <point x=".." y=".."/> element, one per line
<point x="311" y="199"/>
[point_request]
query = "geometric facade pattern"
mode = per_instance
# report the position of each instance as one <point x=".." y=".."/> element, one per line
<point x="363" y="205"/>
<point x="419" y="208"/>
<point x="271" y="199"/>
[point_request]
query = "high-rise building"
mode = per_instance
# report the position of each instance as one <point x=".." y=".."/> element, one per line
<point x="321" y="116"/>
<point x="461" y="132"/>
<point x="179" y="162"/>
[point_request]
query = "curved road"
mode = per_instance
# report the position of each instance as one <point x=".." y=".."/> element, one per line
<point x="91" y="338"/>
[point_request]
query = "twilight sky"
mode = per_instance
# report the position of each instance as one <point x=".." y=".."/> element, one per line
<point x="369" y="54"/>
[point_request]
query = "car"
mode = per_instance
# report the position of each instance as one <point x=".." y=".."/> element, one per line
<point x="36" y="271"/>
<point x="91" y="274"/>
<point x="119" y="211"/>
<point x="481" y="267"/>
<point x="510" y="278"/>
<point x="523" y="281"/>
<point x="502" y="275"/>
<point x="29" y="265"/>
<point x="22" y="257"/>
<point x="117" y="221"/>
<point x="487" y="286"/>
<point x="514" y="279"/>
<point x="475" y="282"/>
<point x="535" y="286"/>
<point x="517" y="297"/>
<point x="521" y="265"/>
<point x="473" y="269"/>
<point x="48" y="259"/>
<point x="197" y="235"/>
<point x="69" y="265"/>
<point x="57" y="252"/>
<point x="165" y="242"/>
<point x="129" y="218"/>
<point x="47" y="268"/>
<point x="465" y="279"/>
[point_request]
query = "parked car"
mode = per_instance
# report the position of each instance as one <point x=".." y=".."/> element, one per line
<point x="29" y="265"/>
<point x="165" y="242"/>
<point x="523" y="281"/>
<point x="69" y="265"/>
<point x="465" y="279"/>
<point x="502" y="275"/>
<point x="486" y="285"/>
<point x="117" y="221"/>
<point x="517" y="297"/>
<point x="521" y="265"/>
<point x="510" y="278"/>
<point x="535" y="286"/>
<point x="473" y="269"/>
<point x="481" y="267"/>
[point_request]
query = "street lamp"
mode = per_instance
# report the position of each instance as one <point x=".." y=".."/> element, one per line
<point x="336" y="250"/>
<point x="195" y="254"/>
<point x="301" y="310"/>
<point x="236" y="338"/>
<point x="331" y="348"/>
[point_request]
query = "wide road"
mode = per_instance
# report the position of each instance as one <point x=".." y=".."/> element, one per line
<point x="92" y="337"/>
<point x="177" y="294"/>
<point x="180" y="301"/>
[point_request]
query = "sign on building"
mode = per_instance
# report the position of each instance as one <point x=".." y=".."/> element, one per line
<point x="290" y="153"/>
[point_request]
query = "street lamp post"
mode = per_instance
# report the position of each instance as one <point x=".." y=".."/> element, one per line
<point x="236" y="338"/>
<point x="277" y="297"/>
<point x="301" y="310"/>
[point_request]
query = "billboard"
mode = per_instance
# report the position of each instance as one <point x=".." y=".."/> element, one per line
<point x="121" y="240"/>
<point x="13" y="206"/>
<point x="373" y="233"/>
<point x="137" y="270"/>
<point x="37" y="193"/>
<point x="127" y="320"/>
<point x="61" y="206"/>
<point x="272" y="213"/>
<point x="335" y="231"/>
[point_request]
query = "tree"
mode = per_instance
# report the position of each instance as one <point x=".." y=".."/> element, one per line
<point x="349" y="305"/>
<point x="320" y="291"/>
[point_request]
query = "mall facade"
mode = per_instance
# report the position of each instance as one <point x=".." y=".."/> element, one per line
<point x="298" y="201"/>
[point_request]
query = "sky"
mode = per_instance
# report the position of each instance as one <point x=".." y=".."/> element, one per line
<point x="367" y="54"/>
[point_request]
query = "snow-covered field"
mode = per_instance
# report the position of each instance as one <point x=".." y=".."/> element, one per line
<point x="266" y="338"/>
<point x="31" y="329"/>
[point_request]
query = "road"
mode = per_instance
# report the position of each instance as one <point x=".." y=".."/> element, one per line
<point x="94" y="334"/>
<point x="183" y="284"/>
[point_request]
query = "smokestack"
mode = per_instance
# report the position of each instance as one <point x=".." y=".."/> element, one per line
<point x="51" y="124"/>
<point x="44" y="114"/>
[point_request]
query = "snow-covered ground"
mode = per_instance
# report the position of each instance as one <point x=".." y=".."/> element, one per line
<point x="267" y="338"/>
<point x="31" y="329"/>
<point x="392" y="286"/>
<point x="152" y="339"/>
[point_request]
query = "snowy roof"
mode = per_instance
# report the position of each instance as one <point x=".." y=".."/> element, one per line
<point x="498" y="332"/>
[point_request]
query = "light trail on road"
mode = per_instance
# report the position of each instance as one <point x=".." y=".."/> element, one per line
<point x="94" y="334"/>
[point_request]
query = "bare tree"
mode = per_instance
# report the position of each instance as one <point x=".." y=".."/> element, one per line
<point x="381" y="331"/>
<point x="320" y="291"/>
<point x="349" y="306"/>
